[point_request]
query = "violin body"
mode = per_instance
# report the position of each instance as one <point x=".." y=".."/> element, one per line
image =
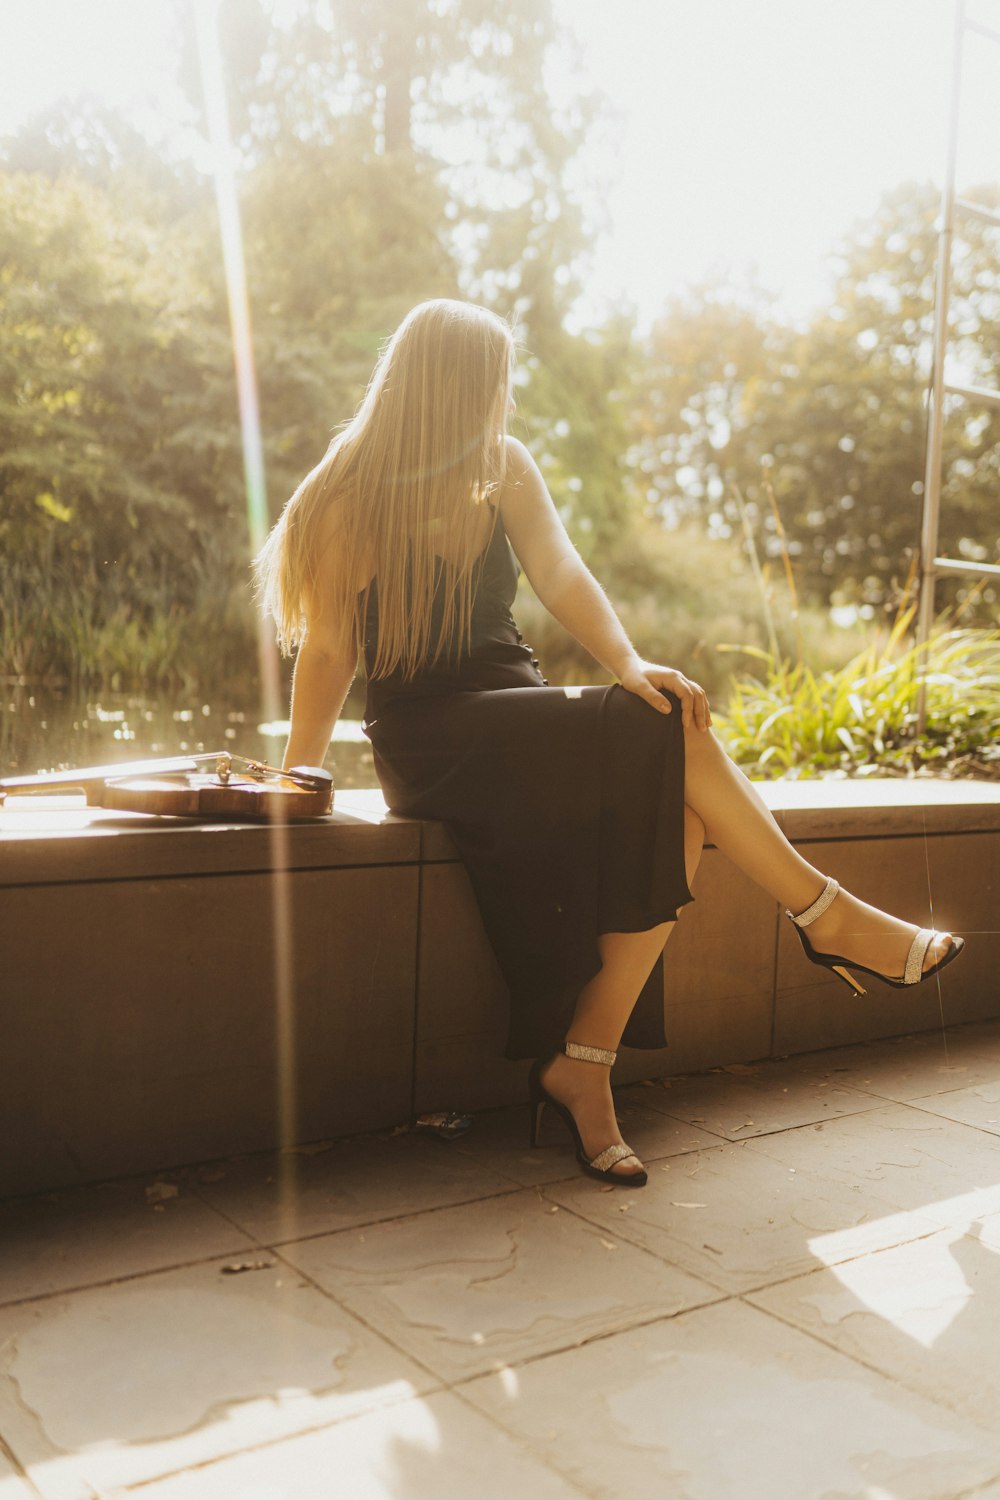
<point x="196" y="795"/>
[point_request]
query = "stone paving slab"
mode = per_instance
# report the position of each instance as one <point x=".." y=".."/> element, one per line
<point x="748" y="1099"/>
<point x="499" y="1139"/>
<point x="116" y="1385"/>
<point x="931" y="1168"/>
<point x="739" y="1220"/>
<point x="977" y="1105"/>
<point x="486" y="1285"/>
<point x="85" y="1236"/>
<point x="797" y="1307"/>
<point x="279" y="1196"/>
<point x="915" y="1066"/>
<point x="435" y="1449"/>
<point x="725" y="1402"/>
<point x="925" y="1313"/>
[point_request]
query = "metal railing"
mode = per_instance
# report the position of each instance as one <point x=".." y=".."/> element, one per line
<point x="930" y="564"/>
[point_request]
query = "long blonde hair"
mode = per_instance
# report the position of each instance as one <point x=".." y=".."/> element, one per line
<point x="421" y="456"/>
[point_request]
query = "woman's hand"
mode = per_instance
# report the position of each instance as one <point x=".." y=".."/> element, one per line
<point x="645" y="678"/>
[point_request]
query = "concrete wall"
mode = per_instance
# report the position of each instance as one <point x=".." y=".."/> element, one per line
<point x="146" y="1022"/>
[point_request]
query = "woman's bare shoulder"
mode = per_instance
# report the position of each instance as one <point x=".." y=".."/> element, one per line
<point x="519" y="461"/>
<point x="532" y="523"/>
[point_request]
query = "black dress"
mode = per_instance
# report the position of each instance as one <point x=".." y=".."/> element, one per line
<point x="565" y="804"/>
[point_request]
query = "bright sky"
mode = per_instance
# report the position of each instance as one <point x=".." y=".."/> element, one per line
<point x="748" y="134"/>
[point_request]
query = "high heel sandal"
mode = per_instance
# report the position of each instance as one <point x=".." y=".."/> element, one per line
<point x="603" y="1163"/>
<point x="914" y="970"/>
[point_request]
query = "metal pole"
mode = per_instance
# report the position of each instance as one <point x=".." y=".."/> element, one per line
<point x="935" y="415"/>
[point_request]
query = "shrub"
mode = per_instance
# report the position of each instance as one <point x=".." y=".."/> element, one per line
<point x="861" y="719"/>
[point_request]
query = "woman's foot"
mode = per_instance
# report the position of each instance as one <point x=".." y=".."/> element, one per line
<point x="586" y="1092"/>
<point x="864" y="935"/>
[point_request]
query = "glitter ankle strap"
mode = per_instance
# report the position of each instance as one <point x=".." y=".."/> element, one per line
<point x="826" y="896"/>
<point x="590" y="1054"/>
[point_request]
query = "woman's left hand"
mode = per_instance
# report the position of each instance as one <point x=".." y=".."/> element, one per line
<point x="645" y="679"/>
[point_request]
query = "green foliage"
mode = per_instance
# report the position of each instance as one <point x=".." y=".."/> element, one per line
<point x="860" y="720"/>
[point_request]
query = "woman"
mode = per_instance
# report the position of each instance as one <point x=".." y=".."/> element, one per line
<point x="580" y="813"/>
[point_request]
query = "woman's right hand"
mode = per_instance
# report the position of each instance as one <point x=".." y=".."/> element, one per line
<point x="646" y="678"/>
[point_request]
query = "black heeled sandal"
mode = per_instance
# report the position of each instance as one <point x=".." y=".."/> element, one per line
<point x="602" y="1164"/>
<point x="914" y="971"/>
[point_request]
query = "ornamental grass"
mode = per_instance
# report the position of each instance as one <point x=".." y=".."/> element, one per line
<point x="861" y="720"/>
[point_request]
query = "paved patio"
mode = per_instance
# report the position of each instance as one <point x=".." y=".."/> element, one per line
<point x="804" y="1302"/>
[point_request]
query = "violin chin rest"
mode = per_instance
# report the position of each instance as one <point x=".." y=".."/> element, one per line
<point x="318" y="775"/>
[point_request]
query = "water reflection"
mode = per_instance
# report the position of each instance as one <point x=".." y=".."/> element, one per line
<point x="48" y="729"/>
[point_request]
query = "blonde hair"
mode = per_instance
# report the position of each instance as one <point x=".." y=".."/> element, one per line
<point x="422" y="454"/>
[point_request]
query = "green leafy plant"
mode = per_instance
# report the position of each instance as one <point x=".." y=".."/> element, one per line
<point x="861" y="719"/>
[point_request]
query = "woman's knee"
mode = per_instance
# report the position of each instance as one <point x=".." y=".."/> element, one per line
<point x="694" y="827"/>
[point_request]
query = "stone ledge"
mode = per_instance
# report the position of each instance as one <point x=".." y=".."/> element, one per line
<point x="146" y="1025"/>
<point x="50" y="840"/>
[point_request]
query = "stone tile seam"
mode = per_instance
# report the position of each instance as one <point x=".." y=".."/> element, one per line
<point x="948" y="1119"/>
<point x="417" y="951"/>
<point x="202" y="873"/>
<point x="276" y="1245"/>
<point x="717" y="1294"/>
<point x="956" y="1409"/>
<point x="438" y="1382"/>
<point x="129" y="1276"/>
<point x="927" y="1231"/>
<point x="597" y="1224"/>
<point x="878" y="1102"/>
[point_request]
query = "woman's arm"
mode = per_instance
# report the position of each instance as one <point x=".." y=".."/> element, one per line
<point x="326" y="661"/>
<point x="320" y="685"/>
<point x="572" y="594"/>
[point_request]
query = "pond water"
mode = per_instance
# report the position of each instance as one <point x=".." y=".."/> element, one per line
<point x="48" y="729"/>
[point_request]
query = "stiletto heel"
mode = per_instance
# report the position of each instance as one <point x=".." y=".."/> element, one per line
<point x="603" y="1163"/>
<point x="537" y="1107"/>
<point x="914" y="971"/>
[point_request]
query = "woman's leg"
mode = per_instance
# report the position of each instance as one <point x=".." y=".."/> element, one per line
<point x="602" y="1008"/>
<point x="738" y="821"/>
<point x="722" y="803"/>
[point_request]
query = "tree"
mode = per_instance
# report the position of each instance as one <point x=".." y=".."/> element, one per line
<point x="117" y="468"/>
<point x="834" y="417"/>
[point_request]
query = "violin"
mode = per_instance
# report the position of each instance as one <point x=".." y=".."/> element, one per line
<point x="207" y="786"/>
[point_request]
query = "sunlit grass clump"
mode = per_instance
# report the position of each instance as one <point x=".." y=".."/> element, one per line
<point x="861" y="719"/>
